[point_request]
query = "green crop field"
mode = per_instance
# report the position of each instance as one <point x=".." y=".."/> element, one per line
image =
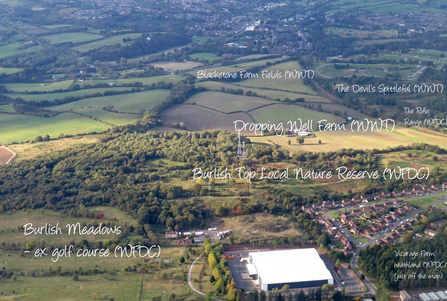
<point x="12" y="49"/>
<point x="108" y="41"/>
<point x="39" y="86"/>
<point x="131" y="102"/>
<point x="52" y="96"/>
<point x="10" y="70"/>
<point x="285" y="84"/>
<point x="74" y="37"/>
<point x="270" y="94"/>
<point x="26" y="127"/>
<point x="228" y="103"/>
<point x="283" y="113"/>
<point x="204" y="56"/>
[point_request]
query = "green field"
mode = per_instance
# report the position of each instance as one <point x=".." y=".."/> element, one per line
<point x="228" y="103"/>
<point x="145" y="81"/>
<point x="131" y="102"/>
<point x="108" y="41"/>
<point x="174" y="66"/>
<point x="270" y="94"/>
<point x="7" y="108"/>
<point x="74" y="37"/>
<point x="52" y="96"/>
<point x="39" y="86"/>
<point x="335" y="140"/>
<point x="360" y="34"/>
<point x="25" y="127"/>
<point x="12" y="49"/>
<point x="10" y="70"/>
<point x="57" y="26"/>
<point x="128" y="103"/>
<point x="204" y="56"/>
<point x="283" y="113"/>
<point x="285" y="84"/>
<point x="258" y="63"/>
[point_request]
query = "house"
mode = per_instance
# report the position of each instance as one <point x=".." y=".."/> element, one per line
<point x="337" y="204"/>
<point x="401" y="211"/>
<point x="200" y="239"/>
<point x="399" y="202"/>
<point x="397" y="193"/>
<point x="375" y="228"/>
<point x="357" y="199"/>
<point x="409" y="207"/>
<point x="407" y="192"/>
<point x="328" y="224"/>
<point x="430" y="232"/>
<point x="411" y="223"/>
<point x="352" y="223"/>
<point x="378" y="195"/>
<point x="171" y="234"/>
<point x="438" y="223"/>
<point x="344" y="218"/>
<point x="388" y="219"/>
<point x="368" y="232"/>
<point x="355" y="231"/>
<point x="183" y="242"/>
<point x="386" y="194"/>
<point x="367" y="209"/>
<point x="388" y="204"/>
<point x="347" y="202"/>
<point x="378" y="207"/>
<point x="417" y="191"/>
<point x="394" y="215"/>
<point x="405" y="228"/>
<point x="399" y="232"/>
<point x="356" y="212"/>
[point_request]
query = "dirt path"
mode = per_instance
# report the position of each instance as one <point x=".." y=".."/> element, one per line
<point x="6" y="155"/>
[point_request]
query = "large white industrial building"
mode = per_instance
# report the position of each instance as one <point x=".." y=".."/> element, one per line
<point x="298" y="268"/>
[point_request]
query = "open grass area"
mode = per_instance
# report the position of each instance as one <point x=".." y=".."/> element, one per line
<point x="10" y="222"/>
<point x="284" y="113"/>
<point x="26" y="127"/>
<point x="270" y="94"/>
<point x="13" y="48"/>
<point x="204" y="56"/>
<point x="39" y="86"/>
<point x="360" y="34"/>
<point x="285" y="84"/>
<point x="258" y="63"/>
<point x="174" y="66"/>
<point x="228" y="103"/>
<point x="57" y="26"/>
<point x="197" y="118"/>
<point x="107" y="41"/>
<point x="28" y="151"/>
<point x="74" y="37"/>
<point x="129" y="103"/>
<point x="7" y="109"/>
<point x="335" y="140"/>
<point x="145" y="81"/>
<point x="52" y="96"/>
<point x="424" y="201"/>
<point x="10" y="70"/>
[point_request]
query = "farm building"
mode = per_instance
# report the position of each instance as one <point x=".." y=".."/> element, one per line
<point x="297" y="268"/>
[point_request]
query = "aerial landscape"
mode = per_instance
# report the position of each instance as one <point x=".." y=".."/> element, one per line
<point x="223" y="150"/>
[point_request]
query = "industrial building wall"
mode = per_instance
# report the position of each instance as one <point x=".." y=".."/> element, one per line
<point x="303" y="284"/>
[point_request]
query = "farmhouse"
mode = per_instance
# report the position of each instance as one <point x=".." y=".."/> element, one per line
<point x="297" y="268"/>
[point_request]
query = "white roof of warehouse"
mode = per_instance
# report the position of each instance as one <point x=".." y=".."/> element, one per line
<point x="284" y="266"/>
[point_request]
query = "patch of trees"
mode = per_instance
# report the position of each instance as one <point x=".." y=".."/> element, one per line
<point x="380" y="263"/>
<point x="147" y="44"/>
